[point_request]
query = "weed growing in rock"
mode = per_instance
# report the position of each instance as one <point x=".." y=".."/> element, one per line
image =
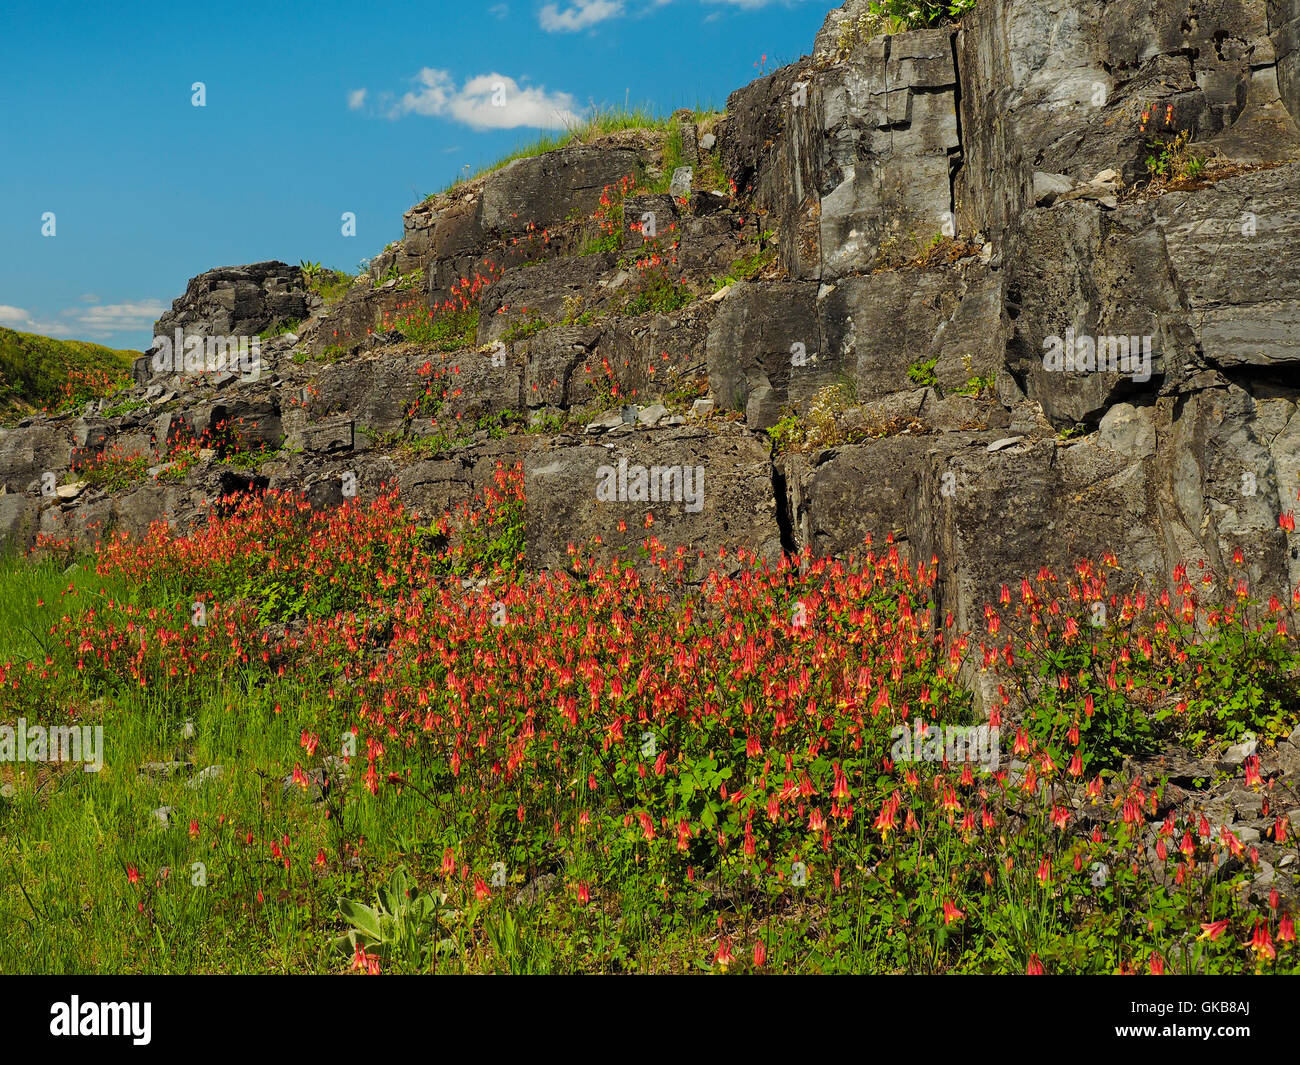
<point x="922" y="373"/>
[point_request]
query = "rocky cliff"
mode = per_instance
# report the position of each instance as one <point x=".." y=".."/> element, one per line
<point x="1016" y="291"/>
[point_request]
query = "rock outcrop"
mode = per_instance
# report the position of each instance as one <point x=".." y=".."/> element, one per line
<point x="909" y="228"/>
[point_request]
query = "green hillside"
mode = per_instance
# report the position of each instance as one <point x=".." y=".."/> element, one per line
<point x="46" y="374"/>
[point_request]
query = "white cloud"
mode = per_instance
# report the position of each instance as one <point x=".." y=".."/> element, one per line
<point x="582" y="14"/>
<point x="499" y="10"/>
<point x="356" y="99"/>
<point x="487" y="101"/>
<point x="116" y="317"/>
<point x="99" y="322"/>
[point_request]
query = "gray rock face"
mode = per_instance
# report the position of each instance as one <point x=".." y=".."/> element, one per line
<point x="1284" y="19"/>
<point x="852" y="160"/>
<point x="754" y="341"/>
<point x="702" y="486"/>
<point x="238" y="301"/>
<point x="545" y="189"/>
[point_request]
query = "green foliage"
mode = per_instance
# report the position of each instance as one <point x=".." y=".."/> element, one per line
<point x="519" y="950"/>
<point x="547" y="424"/>
<point x="787" y="434"/>
<point x="524" y="327"/>
<point x="330" y="285"/>
<point x="746" y="268"/>
<point x="1172" y="159"/>
<point x="113" y="471"/>
<point x="39" y="372"/>
<point x="1196" y="680"/>
<point x="448" y="329"/>
<point x="1245" y="680"/>
<point x="710" y="175"/>
<point x="976" y="386"/>
<point x="402" y="930"/>
<point x="765" y="813"/>
<point x="658" y="292"/>
<point x="127" y="407"/>
<point x="280" y="329"/>
<point x="413" y="280"/>
<point x="897" y="16"/>
<point x="922" y="373"/>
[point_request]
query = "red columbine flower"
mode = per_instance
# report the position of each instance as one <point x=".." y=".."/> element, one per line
<point x="1261" y="942"/>
<point x="448" y="862"/>
<point x="1286" y="522"/>
<point x="647" y="825"/>
<point x="1157" y="964"/>
<point x="132" y="874"/>
<point x="1286" y="929"/>
<point x="724" y="957"/>
<point x="1045" y="871"/>
<point x="951" y="913"/>
<point x="1060" y="816"/>
<point x="841" y="787"/>
<point x="584" y="896"/>
<point x="1252" y="773"/>
<point x="683" y="835"/>
<point x="481" y="891"/>
<point x="885" y="819"/>
<point x="1213" y="930"/>
<point x="760" y="954"/>
<point x="365" y="963"/>
<point x="1279" y="830"/>
<point x="1035" y="967"/>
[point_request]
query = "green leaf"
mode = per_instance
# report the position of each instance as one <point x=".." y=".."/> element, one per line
<point x="363" y="918"/>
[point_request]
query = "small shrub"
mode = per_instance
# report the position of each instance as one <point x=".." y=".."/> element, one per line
<point x="922" y="373"/>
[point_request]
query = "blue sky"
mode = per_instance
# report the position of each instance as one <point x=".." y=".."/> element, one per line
<point x="312" y="109"/>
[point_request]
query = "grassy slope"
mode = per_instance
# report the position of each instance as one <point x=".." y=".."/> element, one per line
<point x="40" y="372"/>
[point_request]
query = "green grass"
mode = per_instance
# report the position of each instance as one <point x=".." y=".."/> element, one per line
<point x="43" y="373"/>
<point x="600" y="123"/>
<point x="330" y="285"/>
<point x="447" y="330"/>
<point x="290" y="326"/>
